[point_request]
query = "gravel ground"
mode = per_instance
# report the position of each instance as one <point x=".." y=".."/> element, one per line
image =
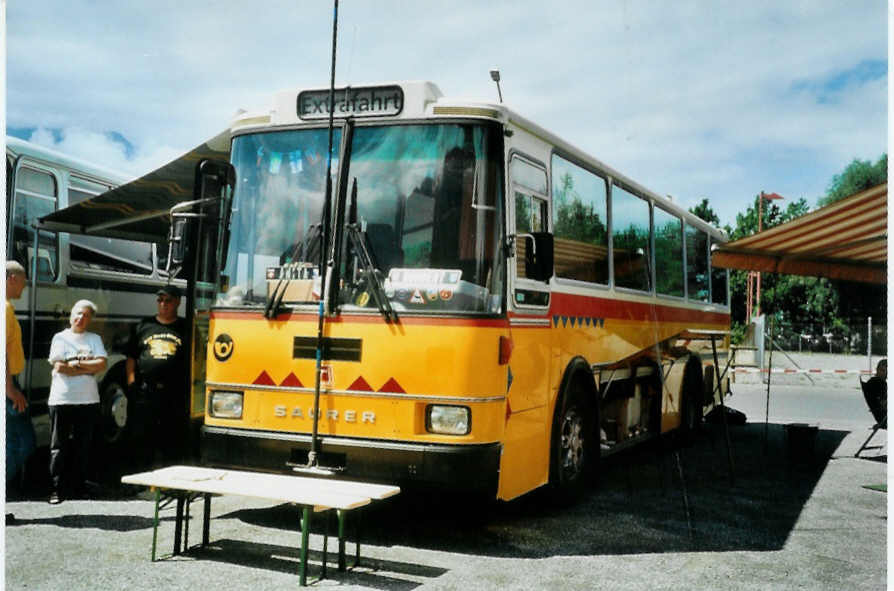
<point x="781" y="522"/>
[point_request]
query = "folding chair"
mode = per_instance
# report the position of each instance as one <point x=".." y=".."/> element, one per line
<point x="875" y="394"/>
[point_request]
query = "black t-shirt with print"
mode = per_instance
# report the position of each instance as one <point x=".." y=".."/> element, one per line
<point x="160" y="350"/>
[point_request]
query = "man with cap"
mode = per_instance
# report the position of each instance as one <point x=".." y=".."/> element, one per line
<point x="156" y="368"/>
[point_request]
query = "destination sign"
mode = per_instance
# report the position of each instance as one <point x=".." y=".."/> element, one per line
<point x="376" y="101"/>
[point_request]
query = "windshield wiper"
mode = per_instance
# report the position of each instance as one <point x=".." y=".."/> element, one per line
<point x="360" y="243"/>
<point x="289" y="266"/>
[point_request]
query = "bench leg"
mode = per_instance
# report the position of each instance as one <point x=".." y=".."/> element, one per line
<point x="342" y="518"/>
<point x="342" y="515"/>
<point x="189" y="498"/>
<point x="306" y="512"/>
<point x="206" y="519"/>
<point x="155" y="523"/>
<point x="178" y="525"/>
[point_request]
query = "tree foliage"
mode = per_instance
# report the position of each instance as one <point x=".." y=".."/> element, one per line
<point x="858" y="176"/>
<point x="704" y="211"/>
<point x="794" y="301"/>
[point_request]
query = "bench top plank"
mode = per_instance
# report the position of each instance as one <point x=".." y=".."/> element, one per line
<point x="321" y="493"/>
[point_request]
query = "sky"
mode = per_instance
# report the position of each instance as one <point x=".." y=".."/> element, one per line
<point x="696" y="99"/>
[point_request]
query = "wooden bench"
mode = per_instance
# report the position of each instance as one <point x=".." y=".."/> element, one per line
<point x="186" y="483"/>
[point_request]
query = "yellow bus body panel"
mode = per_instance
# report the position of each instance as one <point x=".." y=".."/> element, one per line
<point x="401" y="370"/>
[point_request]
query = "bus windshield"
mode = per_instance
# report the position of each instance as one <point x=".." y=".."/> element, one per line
<point x="277" y="204"/>
<point x="421" y="222"/>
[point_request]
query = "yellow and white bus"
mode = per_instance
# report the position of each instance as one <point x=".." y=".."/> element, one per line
<point x="502" y="309"/>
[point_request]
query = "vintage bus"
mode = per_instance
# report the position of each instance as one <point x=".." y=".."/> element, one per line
<point x="120" y="276"/>
<point x="500" y="309"/>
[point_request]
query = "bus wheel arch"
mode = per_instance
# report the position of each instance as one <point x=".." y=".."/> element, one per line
<point x="574" y="440"/>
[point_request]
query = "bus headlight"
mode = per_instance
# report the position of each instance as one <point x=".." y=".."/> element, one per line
<point x="448" y="420"/>
<point x="225" y="405"/>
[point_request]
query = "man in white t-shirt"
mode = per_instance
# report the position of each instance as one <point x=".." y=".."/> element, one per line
<point x="77" y="356"/>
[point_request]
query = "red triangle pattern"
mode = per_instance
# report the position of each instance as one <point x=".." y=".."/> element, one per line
<point x="292" y="381"/>
<point x="264" y="379"/>
<point x="361" y="385"/>
<point x="392" y="386"/>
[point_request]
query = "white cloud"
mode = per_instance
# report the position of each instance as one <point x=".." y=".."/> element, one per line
<point x="105" y="151"/>
<point x="697" y="99"/>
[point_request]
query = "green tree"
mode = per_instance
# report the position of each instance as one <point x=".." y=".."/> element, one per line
<point x="858" y="176"/>
<point x="774" y="297"/>
<point x="704" y="211"/>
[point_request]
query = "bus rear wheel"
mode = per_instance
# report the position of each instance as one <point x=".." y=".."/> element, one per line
<point x="692" y="392"/>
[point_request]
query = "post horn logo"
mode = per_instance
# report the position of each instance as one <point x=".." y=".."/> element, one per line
<point x="223" y="347"/>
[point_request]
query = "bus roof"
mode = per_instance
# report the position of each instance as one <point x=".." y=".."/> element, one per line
<point x="18" y="147"/>
<point x="417" y="100"/>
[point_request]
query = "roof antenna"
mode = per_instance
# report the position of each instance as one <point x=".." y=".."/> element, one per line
<point x="495" y="76"/>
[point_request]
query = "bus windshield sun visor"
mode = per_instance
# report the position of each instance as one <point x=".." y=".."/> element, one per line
<point x="138" y="210"/>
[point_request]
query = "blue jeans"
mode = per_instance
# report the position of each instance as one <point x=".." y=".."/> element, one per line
<point x="20" y="440"/>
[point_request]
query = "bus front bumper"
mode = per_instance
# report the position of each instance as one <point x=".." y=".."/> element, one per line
<point x="471" y="467"/>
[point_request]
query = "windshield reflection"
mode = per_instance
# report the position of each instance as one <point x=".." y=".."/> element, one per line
<point x="425" y="204"/>
<point x="277" y="203"/>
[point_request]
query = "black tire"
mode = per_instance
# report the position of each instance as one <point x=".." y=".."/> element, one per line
<point x="574" y="447"/>
<point x="692" y="393"/>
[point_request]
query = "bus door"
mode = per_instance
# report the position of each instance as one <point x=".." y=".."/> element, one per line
<point x="525" y="458"/>
<point x="35" y="194"/>
<point x="530" y="296"/>
<point x="198" y="238"/>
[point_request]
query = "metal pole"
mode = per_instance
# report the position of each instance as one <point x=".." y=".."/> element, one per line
<point x="324" y="247"/>
<point x="769" y="379"/>
<point x="760" y="217"/>
<point x="869" y="342"/>
<point x="32" y="313"/>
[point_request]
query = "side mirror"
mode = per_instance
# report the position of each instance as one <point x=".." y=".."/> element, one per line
<point x="538" y="256"/>
<point x="178" y="242"/>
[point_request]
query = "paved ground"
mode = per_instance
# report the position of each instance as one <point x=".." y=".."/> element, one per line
<point x="829" y="362"/>
<point x="781" y="523"/>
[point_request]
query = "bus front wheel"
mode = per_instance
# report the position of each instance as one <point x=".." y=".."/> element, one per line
<point x="572" y="447"/>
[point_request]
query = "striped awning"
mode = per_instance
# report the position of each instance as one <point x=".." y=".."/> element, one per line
<point x="139" y="209"/>
<point x="846" y="240"/>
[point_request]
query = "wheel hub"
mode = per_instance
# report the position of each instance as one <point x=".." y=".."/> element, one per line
<point x="572" y="444"/>
<point x="118" y="410"/>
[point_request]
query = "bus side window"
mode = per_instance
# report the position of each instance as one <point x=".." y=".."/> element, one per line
<point x="36" y="195"/>
<point x="631" y="237"/>
<point x="697" y="281"/>
<point x="8" y="190"/>
<point x="530" y="216"/>
<point x="580" y="203"/>
<point x="531" y="206"/>
<point x="668" y="253"/>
